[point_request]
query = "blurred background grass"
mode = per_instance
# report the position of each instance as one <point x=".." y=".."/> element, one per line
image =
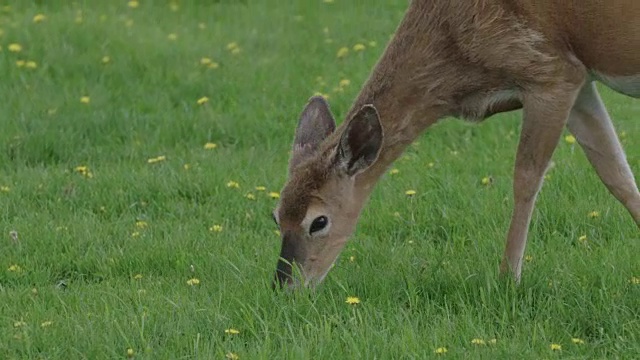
<point x="106" y="257"/>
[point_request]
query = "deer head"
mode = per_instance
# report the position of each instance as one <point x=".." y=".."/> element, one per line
<point x="320" y="204"/>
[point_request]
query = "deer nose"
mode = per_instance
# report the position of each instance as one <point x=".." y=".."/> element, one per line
<point x="284" y="268"/>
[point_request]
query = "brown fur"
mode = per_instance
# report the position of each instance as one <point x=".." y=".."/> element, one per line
<point x="472" y="59"/>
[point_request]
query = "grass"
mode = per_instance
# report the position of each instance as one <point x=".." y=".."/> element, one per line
<point x="105" y="253"/>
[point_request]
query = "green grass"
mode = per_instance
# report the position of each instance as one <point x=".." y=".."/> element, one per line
<point x="425" y="268"/>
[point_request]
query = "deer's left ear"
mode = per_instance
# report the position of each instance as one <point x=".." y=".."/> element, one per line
<point x="361" y="141"/>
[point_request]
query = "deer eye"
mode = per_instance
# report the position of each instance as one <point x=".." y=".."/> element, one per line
<point x="318" y="224"/>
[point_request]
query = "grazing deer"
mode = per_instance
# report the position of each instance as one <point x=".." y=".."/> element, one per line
<point x="469" y="59"/>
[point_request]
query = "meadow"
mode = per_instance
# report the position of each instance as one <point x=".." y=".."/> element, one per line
<point x="142" y="148"/>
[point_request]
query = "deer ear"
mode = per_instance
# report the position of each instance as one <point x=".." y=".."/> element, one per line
<point x="361" y="141"/>
<point x="316" y="123"/>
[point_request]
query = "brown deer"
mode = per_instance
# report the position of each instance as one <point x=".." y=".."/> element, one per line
<point x="469" y="59"/>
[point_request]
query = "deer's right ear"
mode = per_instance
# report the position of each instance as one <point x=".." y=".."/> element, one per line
<point x="316" y="123"/>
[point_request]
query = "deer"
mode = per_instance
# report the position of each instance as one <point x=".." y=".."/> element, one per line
<point x="467" y="59"/>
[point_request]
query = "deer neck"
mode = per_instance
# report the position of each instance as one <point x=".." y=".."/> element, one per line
<point x="403" y="91"/>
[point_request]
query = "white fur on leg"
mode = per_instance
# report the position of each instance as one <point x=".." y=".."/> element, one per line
<point x="592" y="127"/>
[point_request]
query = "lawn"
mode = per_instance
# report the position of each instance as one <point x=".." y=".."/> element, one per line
<point x="142" y="148"/>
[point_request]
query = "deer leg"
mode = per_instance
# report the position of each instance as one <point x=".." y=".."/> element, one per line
<point x="544" y="117"/>
<point x="592" y="127"/>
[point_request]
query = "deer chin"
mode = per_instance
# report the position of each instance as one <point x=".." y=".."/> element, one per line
<point x="316" y="271"/>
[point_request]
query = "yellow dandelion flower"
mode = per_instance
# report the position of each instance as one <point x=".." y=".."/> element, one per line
<point x="205" y="61"/>
<point x="31" y="64"/>
<point x="594" y="214"/>
<point x="528" y="258"/>
<point x="130" y="352"/>
<point x="345" y="82"/>
<point x="487" y="180"/>
<point x="358" y="47"/>
<point x="133" y="4"/>
<point x="4" y="188"/>
<point x="570" y="139"/>
<point x="16" y="48"/>
<point x="260" y="188"/>
<point x="493" y="341"/>
<point x="216" y="228"/>
<point x="634" y="280"/>
<point x="372" y="43"/>
<point x="106" y="59"/>
<point x="46" y="324"/>
<point x="233" y="47"/>
<point x="342" y="52"/>
<point x="352" y="258"/>
<point x="441" y="350"/>
<point x="84" y="171"/>
<point x="135" y="234"/>
<point x="39" y="18"/>
<point x="394" y="171"/>
<point x="274" y="195"/>
<point x="15" y="268"/>
<point x="577" y="341"/>
<point x="352" y="300"/>
<point x="156" y="159"/>
<point x="203" y="100"/>
<point x="172" y="36"/>
<point x="193" y="282"/>
<point x="318" y="93"/>
<point x="478" y="342"/>
<point x="141" y="224"/>
<point x="233" y="184"/>
<point x="85" y="99"/>
<point x="232" y="331"/>
<point x="20" y="63"/>
<point x="213" y="65"/>
<point x="210" y="146"/>
<point x="232" y="356"/>
<point x="20" y="323"/>
<point x="277" y="232"/>
<point x="555" y="347"/>
<point x="582" y="238"/>
<point x="410" y="192"/>
<point x="250" y="196"/>
<point x="137" y="276"/>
